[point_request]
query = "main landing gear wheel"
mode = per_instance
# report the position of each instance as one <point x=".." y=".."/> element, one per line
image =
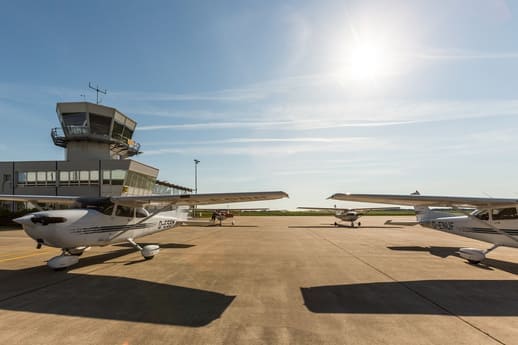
<point x="473" y="262"/>
<point x="63" y="261"/>
<point x="148" y="252"/>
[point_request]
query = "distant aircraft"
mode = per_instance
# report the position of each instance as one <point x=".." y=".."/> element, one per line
<point x="349" y="214"/>
<point x="495" y="220"/>
<point x="116" y="219"/>
<point x="219" y="214"/>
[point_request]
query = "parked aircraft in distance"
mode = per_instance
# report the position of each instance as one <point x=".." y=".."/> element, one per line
<point x="116" y="219"/>
<point x="221" y="214"/>
<point x="348" y="214"/>
<point x="495" y="220"/>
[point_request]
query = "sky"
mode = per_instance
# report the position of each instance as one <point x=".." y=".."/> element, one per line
<point x="309" y="97"/>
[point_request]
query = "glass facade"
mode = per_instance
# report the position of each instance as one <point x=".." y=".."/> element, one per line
<point x="84" y="177"/>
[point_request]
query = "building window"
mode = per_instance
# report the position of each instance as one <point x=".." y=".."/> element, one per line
<point x="84" y="177"/>
<point x="22" y="178"/>
<point x="74" y="123"/>
<point x="36" y="178"/>
<point x="31" y="178"/>
<point x="118" y="177"/>
<point x="64" y="178"/>
<point x="100" y="125"/>
<point x="94" y="176"/>
<point x="106" y="176"/>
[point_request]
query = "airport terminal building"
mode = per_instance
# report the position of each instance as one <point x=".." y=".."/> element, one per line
<point x="98" y="148"/>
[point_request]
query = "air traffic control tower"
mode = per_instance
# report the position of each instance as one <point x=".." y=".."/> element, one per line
<point x="99" y="145"/>
<point x="93" y="131"/>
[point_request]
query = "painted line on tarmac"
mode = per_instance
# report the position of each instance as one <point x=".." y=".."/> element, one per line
<point x="22" y="256"/>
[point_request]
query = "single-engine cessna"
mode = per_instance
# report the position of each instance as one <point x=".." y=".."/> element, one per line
<point x="495" y="220"/>
<point x="348" y="214"/>
<point x="116" y="219"/>
<point x="220" y="215"/>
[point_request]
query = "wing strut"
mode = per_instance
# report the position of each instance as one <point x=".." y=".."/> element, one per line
<point x="142" y="220"/>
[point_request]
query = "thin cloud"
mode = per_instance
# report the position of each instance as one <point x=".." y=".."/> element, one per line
<point x="267" y="140"/>
<point x="296" y="125"/>
<point x="464" y="55"/>
<point x="277" y="146"/>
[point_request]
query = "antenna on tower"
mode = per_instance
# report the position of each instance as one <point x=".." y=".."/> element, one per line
<point x="97" y="90"/>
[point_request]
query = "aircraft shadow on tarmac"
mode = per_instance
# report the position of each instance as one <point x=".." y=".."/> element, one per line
<point x="162" y="245"/>
<point x="425" y="297"/>
<point x="40" y="290"/>
<point x="231" y="226"/>
<point x="444" y="252"/>
<point x="332" y="226"/>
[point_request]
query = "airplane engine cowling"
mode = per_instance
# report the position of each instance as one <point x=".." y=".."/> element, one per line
<point x="62" y="261"/>
<point x="472" y="254"/>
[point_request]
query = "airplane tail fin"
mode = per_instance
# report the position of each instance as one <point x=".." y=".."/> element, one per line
<point x="425" y="213"/>
<point x="421" y="212"/>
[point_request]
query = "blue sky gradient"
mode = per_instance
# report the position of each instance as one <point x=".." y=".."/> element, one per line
<point x="267" y="94"/>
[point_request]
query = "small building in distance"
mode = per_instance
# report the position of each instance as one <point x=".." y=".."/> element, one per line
<point x="98" y="143"/>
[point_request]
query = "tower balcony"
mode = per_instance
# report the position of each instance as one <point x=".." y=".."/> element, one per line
<point x="119" y="145"/>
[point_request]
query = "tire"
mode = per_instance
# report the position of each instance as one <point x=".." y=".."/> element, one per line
<point x="473" y="262"/>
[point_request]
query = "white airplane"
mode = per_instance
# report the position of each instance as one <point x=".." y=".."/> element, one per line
<point x="220" y="215"/>
<point x="348" y="214"/>
<point x="116" y="219"/>
<point x="494" y="220"/>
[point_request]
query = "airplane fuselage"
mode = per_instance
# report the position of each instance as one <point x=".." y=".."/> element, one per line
<point x="467" y="226"/>
<point x="349" y="216"/>
<point x="88" y="227"/>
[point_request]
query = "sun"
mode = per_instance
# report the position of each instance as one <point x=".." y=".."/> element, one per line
<point x="368" y="61"/>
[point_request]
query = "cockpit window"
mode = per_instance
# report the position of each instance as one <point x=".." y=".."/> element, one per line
<point x="504" y="213"/>
<point x="482" y="215"/>
<point x="124" y="211"/>
<point x="103" y="205"/>
<point x="141" y="213"/>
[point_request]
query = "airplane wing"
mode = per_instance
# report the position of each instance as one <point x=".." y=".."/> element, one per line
<point x="40" y="198"/>
<point x="232" y="209"/>
<point x="349" y="209"/>
<point x="197" y="199"/>
<point x="427" y="200"/>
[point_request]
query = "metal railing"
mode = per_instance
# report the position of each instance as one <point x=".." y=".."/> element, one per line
<point x="121" y="145"/>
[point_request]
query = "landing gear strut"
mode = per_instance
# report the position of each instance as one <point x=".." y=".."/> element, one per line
<point x="475" y="256"/>
<point x="148" y="252"/>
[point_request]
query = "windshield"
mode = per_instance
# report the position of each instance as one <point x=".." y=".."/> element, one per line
<point x="103" y="205"/>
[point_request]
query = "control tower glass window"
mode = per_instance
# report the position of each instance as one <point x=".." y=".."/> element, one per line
<point x="100" y="125"/>
<point x="74" y="123"/>
<point x="128" y="133"/>
<point x="117" y="131"/>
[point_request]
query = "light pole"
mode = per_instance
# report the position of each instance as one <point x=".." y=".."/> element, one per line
<point x="196" y="161"/>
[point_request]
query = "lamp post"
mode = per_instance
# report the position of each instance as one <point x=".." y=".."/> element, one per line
<point x="196" y="161"/>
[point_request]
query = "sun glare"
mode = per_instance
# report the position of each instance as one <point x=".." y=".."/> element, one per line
<point x="368" y="61"/>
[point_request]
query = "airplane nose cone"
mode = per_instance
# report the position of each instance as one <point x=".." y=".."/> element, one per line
<point x="25" y="220"/>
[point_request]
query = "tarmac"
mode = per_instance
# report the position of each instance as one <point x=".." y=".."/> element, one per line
<point x="267" y="280"/>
